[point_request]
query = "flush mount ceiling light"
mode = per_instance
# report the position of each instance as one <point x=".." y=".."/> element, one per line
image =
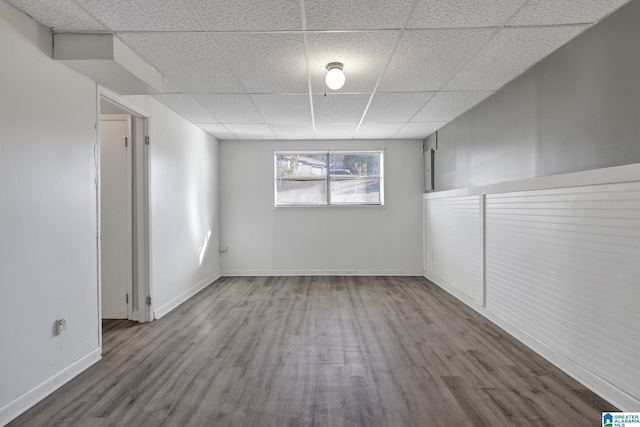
<point x="335" y="76"/>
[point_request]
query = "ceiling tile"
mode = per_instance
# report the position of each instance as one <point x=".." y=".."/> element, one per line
<point x="509" y="54"/>
<point x="219" y="131"/>
<point x="336" y="131"/>
<point x="378" y="130"/>
<point x="396" y="107"/>
<point x="445" y="106"/>
<point x="186" y="107"/>
<point x="284" y="109"/>
<point x="292" y="131"/>
<point x="142" y="15"/>
<point x="427" y="59"/>
<point x="339" y="108"/>
<point x="418" y="130"/>
<point x="251" y="131"/>
<point x="247" y="65"/>
<point x="463" y="13"/>
<point x="230" y="108"/>
<point x="189" y="60"/>
<point x="59" y="15"/>
<point x="356" y="14"/>
<point x="557" y="12"/>
<point x="364" y="55"/>
<point x="266" y="63"/>
<point x="248" y="15"/>
<point x="170" y="87"/>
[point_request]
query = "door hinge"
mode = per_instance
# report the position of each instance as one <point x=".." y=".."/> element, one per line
<point x="146" y="140"/>
<point x="126" y="298"/>
<point x="148" y="300"/>
<point x="126" y="141"/>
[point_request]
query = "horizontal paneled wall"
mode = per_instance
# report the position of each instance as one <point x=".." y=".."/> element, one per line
<point x="560" y="269"/>
<point x="563" y="264"/>
<point x="453" y="243"/>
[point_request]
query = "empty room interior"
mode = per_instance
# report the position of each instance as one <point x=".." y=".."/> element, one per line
<point x="315" y="212"/>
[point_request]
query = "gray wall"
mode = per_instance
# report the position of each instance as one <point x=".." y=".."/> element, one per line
<point x="578" y="109"/>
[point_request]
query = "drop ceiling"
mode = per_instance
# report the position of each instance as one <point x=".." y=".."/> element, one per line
<point x="254" y="69"/>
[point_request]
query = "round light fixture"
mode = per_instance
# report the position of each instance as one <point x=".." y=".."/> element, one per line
<point x="335" y="76"/>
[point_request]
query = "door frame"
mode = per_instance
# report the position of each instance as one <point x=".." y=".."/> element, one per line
<point x="129" y="207"/>
<point x="140" y="215"/>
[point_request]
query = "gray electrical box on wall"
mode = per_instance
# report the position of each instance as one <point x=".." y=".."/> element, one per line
<point x="429" y="149"/>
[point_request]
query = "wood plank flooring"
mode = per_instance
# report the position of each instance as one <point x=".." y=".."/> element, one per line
<point x="318" y="351"/>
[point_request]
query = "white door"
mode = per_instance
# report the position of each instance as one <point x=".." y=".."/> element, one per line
<point x="116" y="216"/>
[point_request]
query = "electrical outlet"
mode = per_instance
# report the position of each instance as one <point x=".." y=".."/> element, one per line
<point x="61" y="326"/>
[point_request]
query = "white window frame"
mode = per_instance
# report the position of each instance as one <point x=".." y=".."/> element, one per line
<point x="329" y="177"/>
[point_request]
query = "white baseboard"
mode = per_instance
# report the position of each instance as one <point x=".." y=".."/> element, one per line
<point x="235" y="273"/>
<point x="28" y="399"/>
<point x="614" y="395"/>
<point x="166" y="308"/>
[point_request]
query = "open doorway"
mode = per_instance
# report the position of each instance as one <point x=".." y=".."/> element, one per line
<point x="124" y="284"/>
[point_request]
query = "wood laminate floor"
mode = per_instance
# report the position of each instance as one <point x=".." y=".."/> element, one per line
<point x="322" y="351"/>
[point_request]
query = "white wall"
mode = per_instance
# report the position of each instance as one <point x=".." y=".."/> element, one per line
<point x="48" y="208"/>
<point x="560" y="269"/>
<point x="183" y="169"/>
<point x="264" y="240"/>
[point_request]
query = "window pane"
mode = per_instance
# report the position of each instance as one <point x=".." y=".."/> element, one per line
<point x="356" y="178"/>
<point x="350" y="190"/>
<point x="301" y="179"/>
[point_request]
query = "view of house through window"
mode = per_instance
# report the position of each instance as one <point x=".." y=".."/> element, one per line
<point x="329" y="178"/>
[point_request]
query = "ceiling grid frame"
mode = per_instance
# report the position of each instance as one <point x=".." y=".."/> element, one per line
<point x="189" y="4"/>
<point x="388" y="61"/>
<point x="303" y="18"/>
<point x="219" y="21"/>
<point x="470" y="58"/>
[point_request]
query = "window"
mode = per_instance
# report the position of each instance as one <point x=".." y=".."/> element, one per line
<point x="329" y="178"/>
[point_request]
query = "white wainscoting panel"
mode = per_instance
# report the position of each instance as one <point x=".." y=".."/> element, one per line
<point x="563" y="265"/>
<point x="453" y="243"/>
